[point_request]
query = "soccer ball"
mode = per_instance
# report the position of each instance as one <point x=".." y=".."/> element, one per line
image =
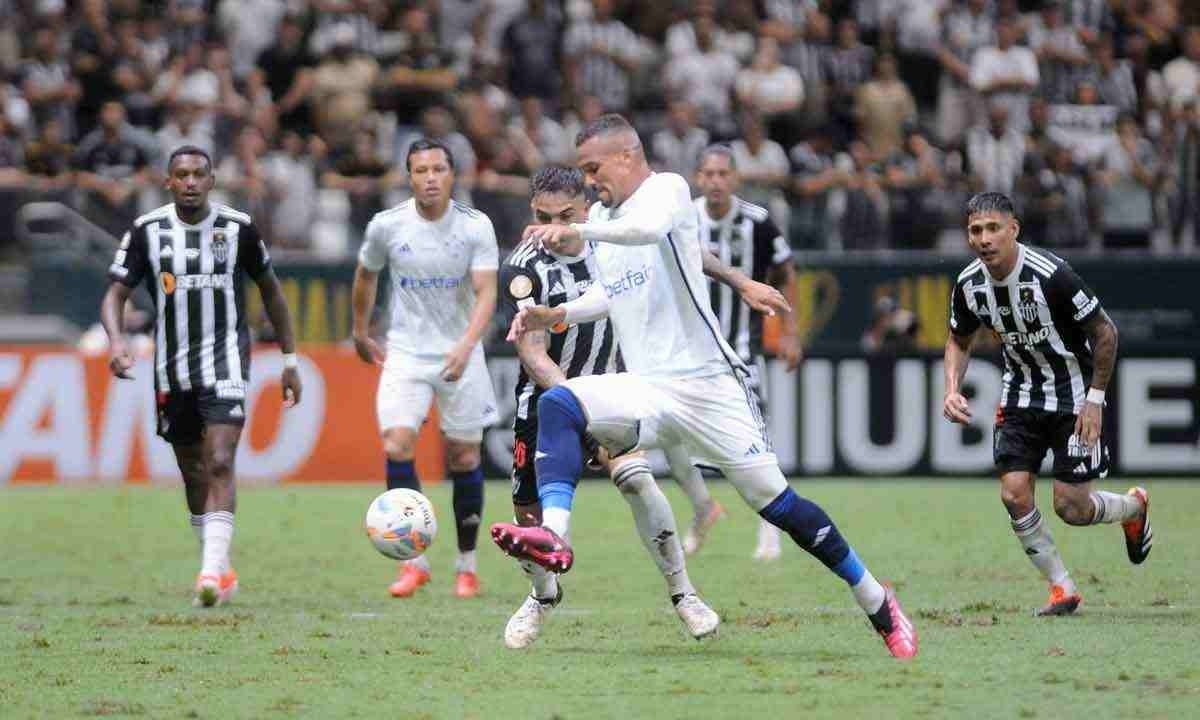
<point x="401" y="523"/>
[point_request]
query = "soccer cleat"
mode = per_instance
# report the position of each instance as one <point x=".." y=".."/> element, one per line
<point x="466" y="585"/>
<point x="1060" y="603"/>
<point x="899" y="635"/>
<point x="526" y="624"/>
<point x="411" y="578"/>
<point x="769" y="547"/>
<point x="208" y="591"/>
<point x="701" y="524"/>
<point x="1139" y="538"/>
<point x="540" y="545"/>
<point x="699" y="618"/>
<point x="228" y="587"/>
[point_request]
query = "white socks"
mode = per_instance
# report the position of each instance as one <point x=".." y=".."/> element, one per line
<point x="465" y="561"/>
<point x="655" y="523"/>
<point x="218" y="535"/>
<point x="420" y="562"/>
<point x="868" y="593"/>
<point x="198" y="530"/>
<point x="1113" y="508"/>
<point x="557" y="519"/>
<point x="690" y="480"/>
<point x="1040" y="549"/>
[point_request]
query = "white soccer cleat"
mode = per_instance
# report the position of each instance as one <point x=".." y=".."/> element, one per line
<point x="694" y="539"/>
<point x="699" y="618"/>
<point x="769" y="547"/>
<point x="526" y="624"/>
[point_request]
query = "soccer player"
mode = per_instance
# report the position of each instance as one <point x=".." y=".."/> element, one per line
<point x="191" y="255"/>
<point x="442" y="259"/>
<point x="1060" y="348"/>
<point x="685" y="385"/>
<point x="534" y="275"/>
<point x="741" y="235"/>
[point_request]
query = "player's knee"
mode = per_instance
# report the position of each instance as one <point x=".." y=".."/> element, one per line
<point x="560" y="403"/>
<point x="632" y="477"/>
<point x="220" y="465"/>
<point x="462" y="457"/>
<point x="1072" y="510"/>
<point x="1017" y="500"/>
<point x="399" y="446"/>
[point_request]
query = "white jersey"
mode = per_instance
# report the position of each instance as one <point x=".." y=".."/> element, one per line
<point x="430" y="264"/>
<point x="648" y="250"/>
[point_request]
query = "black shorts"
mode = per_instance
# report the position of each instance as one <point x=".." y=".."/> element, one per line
<point x="1022" y="437"/>
<point x="524" y="473"/>
<point x="183" y="416"/>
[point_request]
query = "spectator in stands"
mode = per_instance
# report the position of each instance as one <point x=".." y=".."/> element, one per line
<point x="183" y="128"/>
<point x="965" y="30"/>
<point x="133" y="76"/>
<point x="111" y="169"/>
<point x="48" y="159"/>
<point x="1090" y="19"/>
<point x="763" y="167"/>
<point x="704" y="78"/>
<point x="249" y="27"/>
<point x="681" y="36"/>
<point x="585" y="110"/>
<point x="365" y="178"/>
<point x="286" y="69"/>
<point x="1062" y="56"/>
<point x="341" y="88"/>
<point x="1182" y="75"/>
<point x="1114" y="77"/>
<point x="814" y="178"/>
<point x="802" y="32"/>
<point x="1128" y="176"/>
<point x="437" y="123"/>
<point x="47" y="84"/>
<point x="913" y="177"/>
<point x="772" y="89"/>
<point x="1185" y="159"/>
<point x="187" y="24"/>
<point x="893" y="329"/>
<point x="863" y="222"/>
<point x="290" y="174"/>
<point x="189" y="80"/>
<point x="848" y="65"/>
<point x="346" y="22"/>
<point x="1056" y="202"/>
<point x="995" y="153"/>
<point x="12" y="157"/>
<point x="421" y="75"/>
<point x="543" y="132"/>
<point x="532" y="53"/>
<point x="918" y="41"/>
<point x="881" y="108"/>
<point x="1006" y="74"/>
<point x="677" y="147"/>
<point x="93" y="48"/>
<point x="601" y="55"/>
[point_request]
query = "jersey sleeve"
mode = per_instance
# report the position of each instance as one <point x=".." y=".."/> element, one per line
<point x="373" y="253"/>
<point x="770" y="243"/>
<point x="252" y="251"/>
<point x="963" y="322"/>
<point x="519" y="287"/>
<point x="485" y="255"/>
<point x="1069" y="297"/>
<point x="131" y="261"/>
<point x="649" y="223"/>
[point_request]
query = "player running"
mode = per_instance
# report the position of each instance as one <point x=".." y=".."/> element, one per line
<point x="191" y="255"/>
<point x="1060" y="348"/>
<point x="685" y="385"/>
<point x="442" y="259"/>
<point x="551" y="276"/>
<point x="741" y="235"/>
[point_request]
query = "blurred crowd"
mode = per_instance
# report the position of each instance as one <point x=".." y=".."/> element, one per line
<point x="860" y="124"/>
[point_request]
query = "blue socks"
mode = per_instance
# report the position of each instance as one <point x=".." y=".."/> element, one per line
<point x="812" y="530"/>
<point x="559" y="457"/>
<point x="402" y="474"/>
<point x="468" y="507"/>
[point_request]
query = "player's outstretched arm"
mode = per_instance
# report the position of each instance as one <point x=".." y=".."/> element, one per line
<point x="1102" y="337"/>
<point x="112" y="317"/>
<point x="531" y="349"/>
<point x="782" y="277"/>
<point x="958" y="354"/>
<point x="588" y="307"/>
<point x="281" y="320"/>
<point x="759" y="296"/>
<point x="362" y="301"/>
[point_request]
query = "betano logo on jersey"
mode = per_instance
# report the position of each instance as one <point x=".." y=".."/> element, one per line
<point x="430" y="283"/>
<point x="171" y="283"/>
<point x="632" y="280"/>
<point x="1029" y="339"/>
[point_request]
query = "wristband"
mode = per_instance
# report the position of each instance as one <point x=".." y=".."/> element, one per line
<point x="1094" y="396"/>
<point x="291" y="363"/>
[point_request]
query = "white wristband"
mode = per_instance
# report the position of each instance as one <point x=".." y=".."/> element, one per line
<point x="290" y="362"/>
<point x="1094" y="396"/>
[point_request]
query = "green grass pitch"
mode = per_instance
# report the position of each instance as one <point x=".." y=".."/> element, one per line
<point x="95" y="617"/>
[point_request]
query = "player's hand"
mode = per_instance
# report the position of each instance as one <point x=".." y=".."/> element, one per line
<point x="368" y="350"/>
<point x="956" y="409"/>
<point x="1088" y="424"/>
<point x="456" y="362"/>
<point x="290" y="381"/>
<point x="120" y="360"/>
<point x="551" y="237"/>
<point x="763" y="298"/>
<point x="534" y="318"/>
<point x="791" y="351"/>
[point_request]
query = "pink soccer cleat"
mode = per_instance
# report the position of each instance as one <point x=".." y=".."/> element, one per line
<point x="537" y="544"/>
<point x="901" y="638"/>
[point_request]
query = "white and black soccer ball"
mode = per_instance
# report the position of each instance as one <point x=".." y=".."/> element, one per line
<point x="401" y="523"/>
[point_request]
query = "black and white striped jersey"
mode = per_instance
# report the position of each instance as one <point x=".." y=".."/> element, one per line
<point x="1039" y="312"/>
<point x="194" y="274"/>
<point x="748" y="240"/>
<point x="535" y="276"/>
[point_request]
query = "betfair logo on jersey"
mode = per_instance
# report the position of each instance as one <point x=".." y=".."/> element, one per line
<point x="632" y="280"/>
<point x="1030" y="339"/>
<point x="429" y="283"/>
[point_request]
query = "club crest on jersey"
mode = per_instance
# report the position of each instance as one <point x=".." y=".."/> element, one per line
<point x="520" y="287"/>
<point x="1027" y="304"/>
<point x="168" y="283"/>
<point x="220" y="248"/>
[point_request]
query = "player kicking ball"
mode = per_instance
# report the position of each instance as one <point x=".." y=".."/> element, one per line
<point x="684" y="385"/>
<point x="442" y="259"/>
<point x="1060" y="348"/>
<point x="552" y="275"/>
<point x="191" y="254"/>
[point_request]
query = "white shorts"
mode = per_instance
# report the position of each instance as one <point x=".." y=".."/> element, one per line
<point x="715" y="418"/>
<point x="408" y="386"/>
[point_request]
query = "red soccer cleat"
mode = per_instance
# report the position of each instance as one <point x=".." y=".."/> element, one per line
<point x="411" y="578"/>
<point x="537" y="544"/>
<point x="1139" y="538"/>
<point x="901" y="639"/>
<point x="466" y="585"/>
<point x="228" y="587"/>
<point x="1060" y="603"/>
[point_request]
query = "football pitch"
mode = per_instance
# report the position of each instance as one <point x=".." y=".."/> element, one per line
<point x="95" y="617"/>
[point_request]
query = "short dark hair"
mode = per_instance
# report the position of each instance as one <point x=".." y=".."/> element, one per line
<point x="189" y="150"/>
<point x="424" y="144"/>
<point x="720" y="149"/>
<point x="603" y="125"/>
<point x="986" y="202"/>
<point x="557" y="179"/>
